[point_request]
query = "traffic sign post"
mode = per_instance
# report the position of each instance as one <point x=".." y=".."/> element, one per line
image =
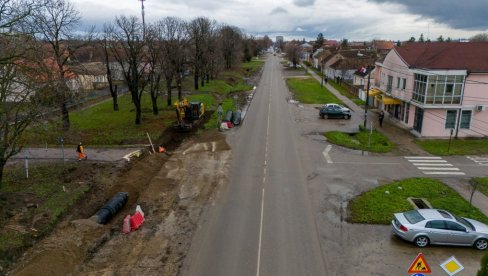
<point x="452" y="266"/>
<point x="419" y="265"/>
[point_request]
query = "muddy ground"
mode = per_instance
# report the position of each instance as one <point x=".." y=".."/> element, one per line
<point x="172" y="191"/>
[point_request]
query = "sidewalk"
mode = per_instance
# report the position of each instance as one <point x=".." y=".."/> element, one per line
<point x="406" y="146"/>
<point x="401" y="137"/>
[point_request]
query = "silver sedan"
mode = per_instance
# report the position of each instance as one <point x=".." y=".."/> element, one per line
<point x="433" y="226"/>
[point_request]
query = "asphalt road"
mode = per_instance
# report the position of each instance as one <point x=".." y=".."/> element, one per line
<point x="262" y="223"/>
<point x="284" y="211"/>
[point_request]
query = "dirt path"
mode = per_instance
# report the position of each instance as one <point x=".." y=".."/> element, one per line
<point x="172" y="191"/>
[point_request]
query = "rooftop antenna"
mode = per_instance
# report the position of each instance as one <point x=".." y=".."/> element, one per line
<point x="143" y="22"/>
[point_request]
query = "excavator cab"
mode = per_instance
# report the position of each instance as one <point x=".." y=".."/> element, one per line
<point x="188" y="114"/>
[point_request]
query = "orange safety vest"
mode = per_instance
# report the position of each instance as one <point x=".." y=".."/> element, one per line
<point x="162" y="149"/>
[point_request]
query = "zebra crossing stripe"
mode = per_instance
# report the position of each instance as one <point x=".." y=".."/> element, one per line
<point x="438" y="169"/>
<point x="432" y="164"/>
<point x="450" y="173"/>
<point x="428" y="161"/>
<point x="423" y="157"/>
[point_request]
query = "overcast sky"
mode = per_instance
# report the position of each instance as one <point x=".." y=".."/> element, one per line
<point x="336" y="19"/>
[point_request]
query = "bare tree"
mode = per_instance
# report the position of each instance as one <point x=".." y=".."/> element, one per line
<point x="199" y="30"/>
<point x="231" y="44"/>
<point x="54" y="21"/>
<point x="156" y="60"/>
<point x="129" y="50"/>
<point x="292" y="50"/>
<point x="17" y="85"/>
<point x="479" y="37"/>
<point x="174" y="35"/>
<point x="105" y="44"/>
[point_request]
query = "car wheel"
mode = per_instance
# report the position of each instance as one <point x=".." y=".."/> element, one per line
<point x="421" y="241"/>
<point x="481" y="244"/>
<point x="322" y="116"/>
<point x="348" y="117"/>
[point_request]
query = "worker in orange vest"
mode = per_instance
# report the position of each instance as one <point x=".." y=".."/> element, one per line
<point x="81" y="152"/>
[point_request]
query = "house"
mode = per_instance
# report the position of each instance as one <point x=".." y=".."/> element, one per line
<point x="360" y="83"/>
<point x="436" y="88"/>
<point x="316" y="62"/>
<point x="91" y="75"/>
<point x="383" y="47"/>
<point x="344" y="63"/>
<point x="306" y="51"/>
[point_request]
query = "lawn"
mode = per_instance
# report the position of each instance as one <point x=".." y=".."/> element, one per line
<point x="308" y="91"/>
<point x="343" y="90"/>
<point x="361" y="140"/>
<point x="458" y="146"/>
<point x="377" y="206"/>
<point x="100" y="125"/>
<point x="253" y="67"/>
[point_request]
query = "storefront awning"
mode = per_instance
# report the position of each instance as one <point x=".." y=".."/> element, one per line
<point x="387" y="100"/>
<point x="373" y="92"/>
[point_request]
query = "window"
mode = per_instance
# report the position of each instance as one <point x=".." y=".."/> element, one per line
<point x="436" y="224"/>
<point x="413" y="216"/>
<point x="465" y="119"/>
<point x="455" y="226"/>
<point x="404" y="84"/>
<point x="398" y="82"/>
<point x="451" y="119"/>
<point x="389" y="84"/>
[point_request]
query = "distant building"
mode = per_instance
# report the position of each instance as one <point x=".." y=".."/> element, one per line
<point x="279" y="39"/>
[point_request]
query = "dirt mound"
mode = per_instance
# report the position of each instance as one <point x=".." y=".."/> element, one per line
<point x="172" y="191"/>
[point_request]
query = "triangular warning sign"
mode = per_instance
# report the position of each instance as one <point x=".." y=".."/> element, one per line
<point x="419" y="265"/>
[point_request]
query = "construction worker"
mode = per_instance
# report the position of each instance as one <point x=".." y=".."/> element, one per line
<point x="81" y="152"/>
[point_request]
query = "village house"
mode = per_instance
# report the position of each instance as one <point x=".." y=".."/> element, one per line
<point x="436" y="89"/>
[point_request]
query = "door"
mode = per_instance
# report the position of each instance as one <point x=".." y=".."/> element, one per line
<point x="437" y="231"/>
<point x="458" y="234"/>
<point x="419" y="117"/>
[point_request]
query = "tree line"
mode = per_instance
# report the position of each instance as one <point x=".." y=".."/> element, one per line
<point x="40" y="42"/>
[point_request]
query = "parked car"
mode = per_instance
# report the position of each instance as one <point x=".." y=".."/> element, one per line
<point x="333" y="110"/>
<point x="434" y="226"/>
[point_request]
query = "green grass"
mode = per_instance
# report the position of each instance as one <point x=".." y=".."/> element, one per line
<point x="377" y="207"/>
<point x="308" y="91"/>
<point x="227" y="104"/>
<point x="359" y="141"/>
<point x="458" y="146"/>
<point x="482" y="184"/>
<point x="100" y="125"/>
<point x="48" y="186"/>
<point x="252" y="67"/>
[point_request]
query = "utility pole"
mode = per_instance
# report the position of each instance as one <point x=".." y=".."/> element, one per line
<point x="366" y="101"/>
<point x="143" y="22"/>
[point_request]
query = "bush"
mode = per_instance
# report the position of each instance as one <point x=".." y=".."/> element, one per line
<point x="484" y="266"/>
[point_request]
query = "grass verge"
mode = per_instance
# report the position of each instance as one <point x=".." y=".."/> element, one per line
<point x="361" y="140"/>
<point x="458" y="146"/>
<point x="308" y="91"/>
<point x="377" y="206"/>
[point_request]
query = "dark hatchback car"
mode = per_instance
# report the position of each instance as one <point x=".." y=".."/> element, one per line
<point x="334" y="111"/>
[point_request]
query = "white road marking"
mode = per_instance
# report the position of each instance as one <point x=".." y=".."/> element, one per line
<point x="428" y="161"/>
<point x="423" y="157"/>
<point x="367" y="163"/>
<point x="432" y="164"/>
<point x="213" y="146"/>
<point x="479" y="160"/>
<point x="439" y="169"/>
<point x="448" y="173"/>
<point x="326" y="154"/>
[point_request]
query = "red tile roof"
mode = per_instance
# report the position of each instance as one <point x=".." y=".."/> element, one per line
<point x="383" y="45"/>
<point x="471" y="56"/>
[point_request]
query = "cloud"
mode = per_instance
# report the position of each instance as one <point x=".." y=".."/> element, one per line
<point x="303" y="3"/>
<point x="278" y="10"/>
<point x="457" y="14"/>
<point x="298" y="29"/>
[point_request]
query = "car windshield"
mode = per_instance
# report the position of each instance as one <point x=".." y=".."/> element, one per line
<point x="465" y="222"/>
<point x="413" y="216"/>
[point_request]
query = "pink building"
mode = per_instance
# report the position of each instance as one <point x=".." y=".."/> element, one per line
<point x="436" y="87"/>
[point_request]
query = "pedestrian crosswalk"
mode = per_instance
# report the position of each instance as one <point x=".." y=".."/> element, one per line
<point x="433" y="165"/>
<point x="479" y="160"/>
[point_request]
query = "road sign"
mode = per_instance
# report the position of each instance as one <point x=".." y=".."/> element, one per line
<point x="419" y="265"/>
<point x="452" y="266"/>
<point x="418" y="274"/>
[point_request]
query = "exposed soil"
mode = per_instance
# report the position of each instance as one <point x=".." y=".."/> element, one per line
<point x="172" y="191"/>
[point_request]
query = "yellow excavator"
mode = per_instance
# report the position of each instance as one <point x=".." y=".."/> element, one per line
<point x="188" y="114"/>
